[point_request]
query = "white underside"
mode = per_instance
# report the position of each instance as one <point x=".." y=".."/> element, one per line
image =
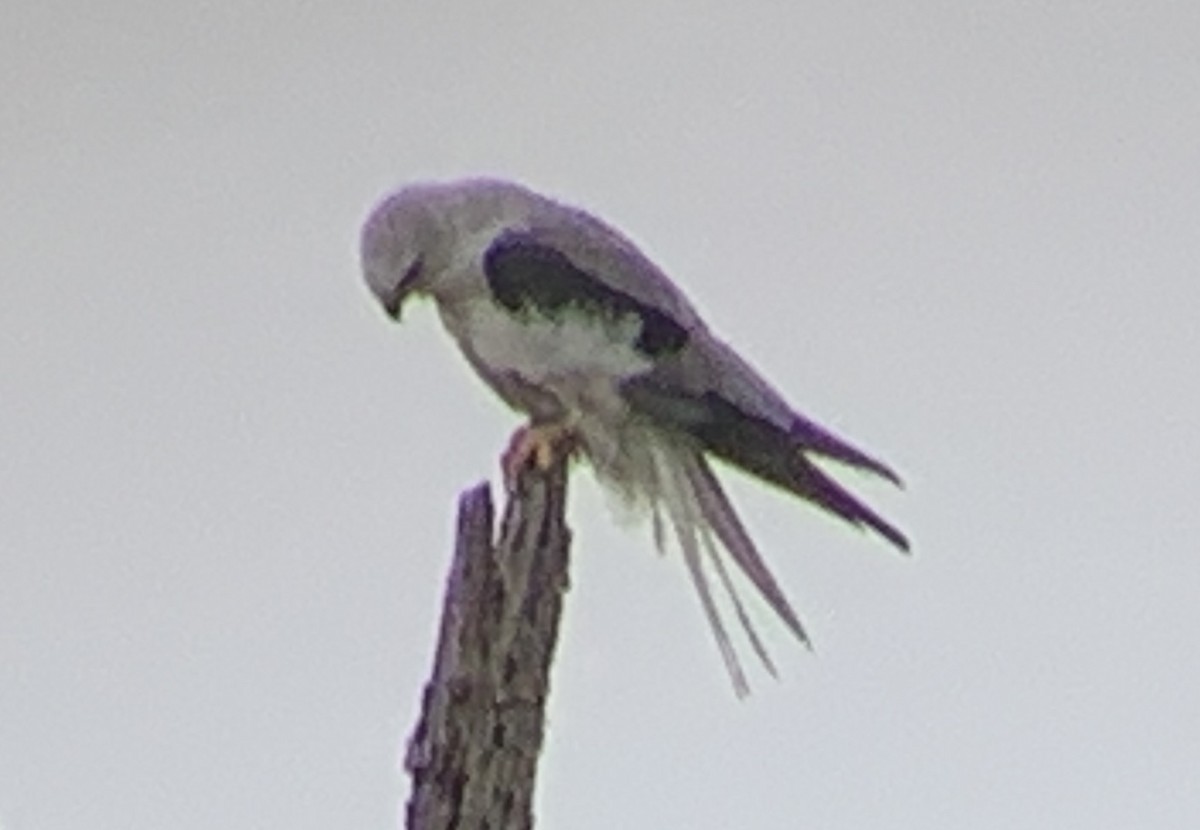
<point x="581" y="361"/>
<point x="544" y="351"/>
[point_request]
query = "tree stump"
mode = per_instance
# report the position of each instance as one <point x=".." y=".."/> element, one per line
<point x="473" y="755"/>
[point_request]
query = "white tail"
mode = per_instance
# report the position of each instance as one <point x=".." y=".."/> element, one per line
<point x="686" y="491"/>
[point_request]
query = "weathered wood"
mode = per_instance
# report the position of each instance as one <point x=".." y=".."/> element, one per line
<point x="473" y="756"/>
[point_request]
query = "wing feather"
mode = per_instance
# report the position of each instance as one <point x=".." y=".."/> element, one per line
<point x="761" y="448"/>
<point x="527" y="276"/>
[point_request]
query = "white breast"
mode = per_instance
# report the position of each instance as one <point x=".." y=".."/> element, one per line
<point x="546" y="352"/>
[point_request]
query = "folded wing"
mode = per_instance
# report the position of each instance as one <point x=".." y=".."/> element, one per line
<point x="763" y="448"/>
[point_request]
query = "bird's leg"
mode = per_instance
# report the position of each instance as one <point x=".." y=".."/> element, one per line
<point x="539" y="442"/>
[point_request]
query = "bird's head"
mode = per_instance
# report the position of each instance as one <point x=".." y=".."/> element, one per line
<point x="426" y="238"/>
<point x="399" y="240"/>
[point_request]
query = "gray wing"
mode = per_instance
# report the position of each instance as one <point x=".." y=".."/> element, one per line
<point x="611" y="259"/>
<point x="698" y="385"/>
<point x="526" y="275"/>
<point x="760" y="447"/>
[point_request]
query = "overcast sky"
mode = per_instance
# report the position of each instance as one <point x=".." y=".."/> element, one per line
<point x="966" y="236"/>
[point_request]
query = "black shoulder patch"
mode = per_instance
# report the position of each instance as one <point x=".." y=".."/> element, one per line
<point x="527" y="275"/>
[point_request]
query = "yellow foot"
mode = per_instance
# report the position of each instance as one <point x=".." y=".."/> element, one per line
<point x="539" y="443"/>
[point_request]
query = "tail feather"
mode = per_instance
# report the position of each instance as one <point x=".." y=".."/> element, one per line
<point x="760" y="649"/>
<point x="696" y="507"/>
<point x="773" y="455"/>
<point x="673" y="495"/>
<point x="661" y="458"/>
<point x="723" y="519"/>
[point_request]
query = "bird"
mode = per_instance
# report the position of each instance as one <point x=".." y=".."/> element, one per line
<point x="570" y="323"/>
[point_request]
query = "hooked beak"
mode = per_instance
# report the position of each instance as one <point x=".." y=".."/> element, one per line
<point x="393" y="301"/>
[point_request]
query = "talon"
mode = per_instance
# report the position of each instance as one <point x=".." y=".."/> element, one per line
<point x="539" y="443"/>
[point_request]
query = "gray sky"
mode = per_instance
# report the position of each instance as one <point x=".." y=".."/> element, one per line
<point x="963" y="235"/>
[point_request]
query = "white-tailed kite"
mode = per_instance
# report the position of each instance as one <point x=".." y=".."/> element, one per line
<point x="570" y="323"/>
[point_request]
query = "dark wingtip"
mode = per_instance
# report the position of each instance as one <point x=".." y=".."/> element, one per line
<point x="816" y="439"/>
<point x="869" y="518"/>
<point x="816" y="486"/>
<point x="887" y="531"/>
<point x="887" y="472"/>
<point x="894" y="536"/>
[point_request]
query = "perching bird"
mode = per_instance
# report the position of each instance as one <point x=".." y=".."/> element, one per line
<point x="570" y="323"/>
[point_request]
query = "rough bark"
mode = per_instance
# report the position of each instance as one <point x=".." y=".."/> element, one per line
<point x="473" y="756"/>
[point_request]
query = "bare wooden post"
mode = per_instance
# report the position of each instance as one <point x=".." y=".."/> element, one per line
<point x="473" y="756"/>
